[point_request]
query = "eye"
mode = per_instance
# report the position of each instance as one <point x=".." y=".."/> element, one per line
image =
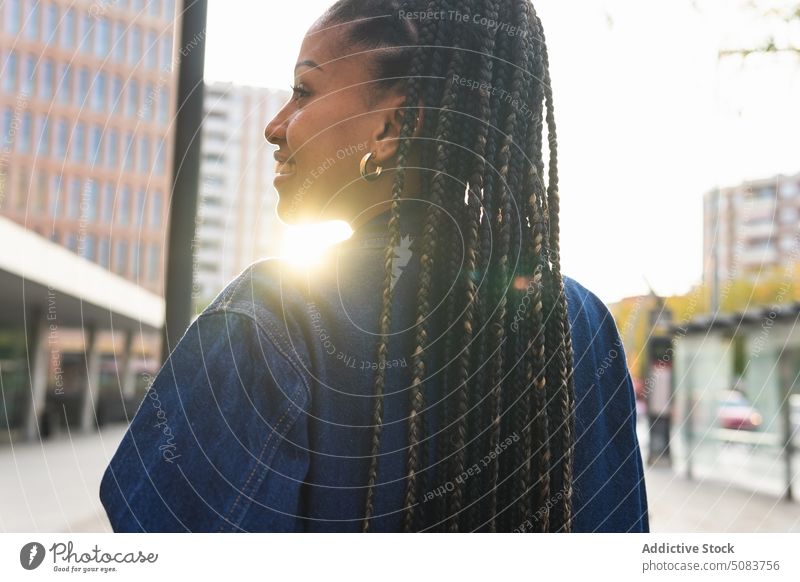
<point x="299" y="91"/>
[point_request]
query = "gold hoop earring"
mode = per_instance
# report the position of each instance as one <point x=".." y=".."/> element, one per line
<point x="367" y="176"/>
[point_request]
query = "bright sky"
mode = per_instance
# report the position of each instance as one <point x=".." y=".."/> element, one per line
<point x="648" y="121"/>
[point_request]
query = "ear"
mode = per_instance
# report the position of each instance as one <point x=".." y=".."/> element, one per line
<point x="387" y="137"/>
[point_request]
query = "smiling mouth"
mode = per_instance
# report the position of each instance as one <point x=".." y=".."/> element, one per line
<point x="284" y="168"/>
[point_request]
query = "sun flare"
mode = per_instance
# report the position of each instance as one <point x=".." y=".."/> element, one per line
<point x="305" y="245"/>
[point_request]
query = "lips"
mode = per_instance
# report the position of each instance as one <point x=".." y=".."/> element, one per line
<point x="284" y="164"/>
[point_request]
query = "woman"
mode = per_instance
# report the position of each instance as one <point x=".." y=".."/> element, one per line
<point x="438" y="373"/>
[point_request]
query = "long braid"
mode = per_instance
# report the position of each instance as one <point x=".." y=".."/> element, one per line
<point x="526" y="356"/>
<point x="563" y="376"/>
<point x="515" y="415"/>
<point x="475" y="185"/>
<point x="415" y="428"/>
<point x="446" y="186"/>
<point x="483" y="418"/>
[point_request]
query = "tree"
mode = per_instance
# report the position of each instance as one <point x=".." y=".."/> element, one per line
<point x="782" y="19"/>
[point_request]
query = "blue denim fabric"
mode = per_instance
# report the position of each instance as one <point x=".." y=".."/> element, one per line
<point x="260" y="418"/>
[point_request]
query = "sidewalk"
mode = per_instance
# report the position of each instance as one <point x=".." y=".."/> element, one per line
<point x="53" y="487"/>
<point x="679" y="505"/>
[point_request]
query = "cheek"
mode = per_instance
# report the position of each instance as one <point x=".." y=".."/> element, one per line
<point x="328" y="144"/>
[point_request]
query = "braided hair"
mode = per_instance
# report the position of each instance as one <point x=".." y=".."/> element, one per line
<point x="490" y="247"/>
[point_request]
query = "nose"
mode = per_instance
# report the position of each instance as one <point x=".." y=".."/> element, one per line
<point x="275" y="131"/>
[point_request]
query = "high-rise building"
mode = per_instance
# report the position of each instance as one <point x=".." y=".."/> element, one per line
<point x="86" y="98"/>
<point x="751" y="227"/>
<point x="236" y="223"/>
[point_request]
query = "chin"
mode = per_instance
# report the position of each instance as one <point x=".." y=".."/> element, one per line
<point x="291" y="211"/>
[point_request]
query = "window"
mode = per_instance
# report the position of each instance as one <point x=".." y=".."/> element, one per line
<point x="152" y="48"/>
<point x="26" y="128"/>
<point x="789" y="189"/>
<point x="144" y="155"/>
<point x="116" y="92"/>
<point x="55" y="196"/>
<point x="103" y="38"/>
<point x="788" y="214"/>
<point x="23" y="179"/>
<point x="103" y="257"/>
<point x="28" y="74"/>
<point x="148" y="105"/>
<point x="78" y="142"/>
<point x="112" y="156"/>
<point x="83" y="87"/>
<point x="165" y="46"/>
<point x="135" y="49"/>
<point x="160" y="159"/>
<point x="40" y="193"/>
<point x="133" y="99"/>
<point x="121" y="259"/>
<point x="74" y="200"/>
<point x="88" y="247"/>
<point x="32" y="23"/>
<point x="99" y="93"/>
<point x="123" y="212"/>
<point x="163" y="105"/>
<point x="86" y="33"/>
<point x="169" y="8"/>
<point x="119" y="42"/>
<point x="14" y="14"/>
<point x="46" y="80"/>
<point x="50" y="23"/>
<point x="214" y="180"/>
<point x="65" y="87"/>
<point x="8" y="117"/>
<point x="136" y="259"/>
<point x="95" y="146"/>
<point x="152" y="263"/>
<point x="61" y="138"/>
<point x="68" y="29"/>
<point x="89" y="208"/>
<point x="10" y="75"/>
<point x="140" y="200"/>
<point x="213" y="158"/>
<point x="155" y="210"/>
<point x="108" y="203"/>
<point x="129" y="151"/>
<point x="44" y="137"/>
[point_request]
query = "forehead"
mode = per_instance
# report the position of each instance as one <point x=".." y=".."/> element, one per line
<point x="328" y="47"/>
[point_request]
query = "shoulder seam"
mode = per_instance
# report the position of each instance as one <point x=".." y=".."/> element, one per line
<point x="272" y="340"/>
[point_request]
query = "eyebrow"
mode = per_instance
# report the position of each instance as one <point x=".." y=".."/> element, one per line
<point x="307" y="63"/>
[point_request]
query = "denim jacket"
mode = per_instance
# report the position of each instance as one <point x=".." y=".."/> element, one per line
<point x="260" y="419"/>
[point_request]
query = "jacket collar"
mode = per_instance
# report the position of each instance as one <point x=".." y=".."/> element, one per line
<point x="375" y="232"/>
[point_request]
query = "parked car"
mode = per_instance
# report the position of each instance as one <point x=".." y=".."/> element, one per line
<point x="734" y="411"/>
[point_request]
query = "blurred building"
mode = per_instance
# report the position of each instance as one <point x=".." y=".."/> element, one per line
<point x="87" y="94"/>
<point x="236" y="222"/>
<point x="750" y="227"/>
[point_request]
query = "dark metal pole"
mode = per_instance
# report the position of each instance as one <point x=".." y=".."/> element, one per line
<point x="185" y="174"/>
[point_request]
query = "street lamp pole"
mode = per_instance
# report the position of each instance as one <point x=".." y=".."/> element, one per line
<point x="185" y="174"/>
